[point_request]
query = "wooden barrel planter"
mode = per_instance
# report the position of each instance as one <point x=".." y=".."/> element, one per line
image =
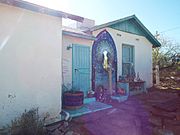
<point x="73" y="99"/>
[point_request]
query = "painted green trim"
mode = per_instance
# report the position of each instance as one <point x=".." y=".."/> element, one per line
<point x="128" y="26"/>
<point x="133" y="53"/>
<point x="148" y="34"/>
<point x="89" y="37"/>
<point x="111" y="23"/>
<point x="130" y="46"/>
<point x="72" y="65"/>
<point x="137" y="22"/>
<point x="81" y="61"/>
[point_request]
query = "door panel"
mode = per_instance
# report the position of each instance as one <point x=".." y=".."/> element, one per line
<point x="81" y="68"/>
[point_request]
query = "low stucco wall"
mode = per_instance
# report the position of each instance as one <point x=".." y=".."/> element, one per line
<point x="30" y="62"/>
<point x="68" y="41"/>
<point x="143" y="52"/>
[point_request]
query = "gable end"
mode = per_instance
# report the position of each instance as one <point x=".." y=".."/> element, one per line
<point x="129" y="26"/>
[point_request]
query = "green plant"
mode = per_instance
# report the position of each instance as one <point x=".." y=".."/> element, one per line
<point x="28" y="124"/>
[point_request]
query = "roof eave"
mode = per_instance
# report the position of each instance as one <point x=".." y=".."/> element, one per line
<point x="154" y="41"/>
<point x="41" y="9"/>
<point x="73" y="34"/>
<point x="151" y="38"/>
<point x="110" y="23"/>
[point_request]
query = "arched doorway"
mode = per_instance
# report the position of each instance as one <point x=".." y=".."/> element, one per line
<point x="103" y="43"/>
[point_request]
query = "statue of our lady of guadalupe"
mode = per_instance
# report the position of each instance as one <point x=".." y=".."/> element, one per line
<point x="105" y="61"/>
<point x="107" y="67"/>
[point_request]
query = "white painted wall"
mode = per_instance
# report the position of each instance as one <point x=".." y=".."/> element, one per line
<point x="143" y="52"/>
<point x="30" y="62"/>
<point x="67" y="57"/>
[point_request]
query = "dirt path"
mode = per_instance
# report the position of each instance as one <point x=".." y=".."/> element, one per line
<point x="132" y="117"/>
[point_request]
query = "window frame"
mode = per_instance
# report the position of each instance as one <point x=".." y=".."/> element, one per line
<point x="132" y="54"/>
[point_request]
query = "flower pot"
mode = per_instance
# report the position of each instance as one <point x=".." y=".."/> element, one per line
<point x="73" y="99"/>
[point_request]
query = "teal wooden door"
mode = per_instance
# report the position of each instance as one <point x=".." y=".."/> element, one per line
<point x="81" y="68"/>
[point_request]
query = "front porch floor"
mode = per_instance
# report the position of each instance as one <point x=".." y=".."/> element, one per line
<point x="88" y="107"/>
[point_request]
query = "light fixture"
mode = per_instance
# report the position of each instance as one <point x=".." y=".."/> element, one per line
<point x="68" y="47"/>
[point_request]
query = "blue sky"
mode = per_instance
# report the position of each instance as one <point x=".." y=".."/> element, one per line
<point x="157" y="15"/>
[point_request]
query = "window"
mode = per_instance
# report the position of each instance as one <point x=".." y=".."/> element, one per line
<point x="127" y="60"/>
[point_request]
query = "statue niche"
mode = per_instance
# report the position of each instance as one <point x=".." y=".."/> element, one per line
<point x="104" y="62"/>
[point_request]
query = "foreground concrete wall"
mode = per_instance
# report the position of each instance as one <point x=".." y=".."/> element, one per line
<point x="143" y="52"/>
<point x="30" y="63"/>
<point x="68" y="41"/>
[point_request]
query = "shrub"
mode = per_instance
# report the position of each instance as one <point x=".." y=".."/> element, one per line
<point x="28" y="124"/>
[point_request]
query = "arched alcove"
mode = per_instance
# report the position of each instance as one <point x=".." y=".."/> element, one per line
<point x="103" y="42"/>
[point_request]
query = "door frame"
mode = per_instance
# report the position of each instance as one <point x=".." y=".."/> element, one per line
<point x="81" y="45"/>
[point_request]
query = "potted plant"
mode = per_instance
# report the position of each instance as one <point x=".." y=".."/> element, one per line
<point x="73" y="99"/>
